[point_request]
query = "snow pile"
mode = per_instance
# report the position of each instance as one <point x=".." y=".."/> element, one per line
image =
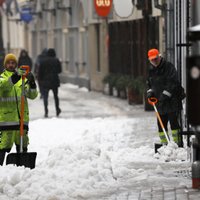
<point x="171" y="152"/>
<point x="92" y="157"/>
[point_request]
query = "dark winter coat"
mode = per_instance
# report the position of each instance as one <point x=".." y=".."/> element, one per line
<point x="24" y="59"/>
<point x="39" y="60"/>
<point x="49" y="69"/>
<point x="164" y="78"/>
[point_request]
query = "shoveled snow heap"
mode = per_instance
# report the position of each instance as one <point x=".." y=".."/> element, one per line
<point x="93" y="157"/>
<point x="171" y="152"/>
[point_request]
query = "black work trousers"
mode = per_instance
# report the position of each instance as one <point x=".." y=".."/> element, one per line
<point x="172" y="118"/>
<point x="46" y="96"/>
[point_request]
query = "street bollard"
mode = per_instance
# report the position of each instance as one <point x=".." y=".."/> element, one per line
<point x="194" y="149"/>
<point x="196" y="175"/>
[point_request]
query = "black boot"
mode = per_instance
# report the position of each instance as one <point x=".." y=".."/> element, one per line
<point x="2" y="156"/>
<point x="58" y="111"/>
<point x="46" y="113"/>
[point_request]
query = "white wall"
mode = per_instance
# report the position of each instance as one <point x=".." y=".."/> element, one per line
<point x="13" y="33"/>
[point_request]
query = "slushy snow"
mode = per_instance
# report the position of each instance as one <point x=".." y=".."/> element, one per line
<point x="98" y="148"/>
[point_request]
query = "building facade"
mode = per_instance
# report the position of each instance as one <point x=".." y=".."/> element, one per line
<point x="90" y="46"/>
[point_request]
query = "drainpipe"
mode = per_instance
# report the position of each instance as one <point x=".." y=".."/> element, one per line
<point x="167" y="8"/>
<point x="8" y="33"/>
<point x="2" y="53"/>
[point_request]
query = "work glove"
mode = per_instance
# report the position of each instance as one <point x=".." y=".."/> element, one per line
<point x="21" y="71"/>
<point x="150" y="94"/>
<point x="31" y="80"/>
<point x="15" y="78"/>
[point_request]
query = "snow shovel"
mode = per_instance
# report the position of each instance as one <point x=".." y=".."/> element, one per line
<point x="152" y="101"/>
<point x="26" y="159"/>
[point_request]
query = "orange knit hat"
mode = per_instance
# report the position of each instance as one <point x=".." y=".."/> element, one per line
<point x="153" y="53"/>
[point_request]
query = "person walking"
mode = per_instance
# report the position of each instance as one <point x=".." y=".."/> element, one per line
<point x="48" y="72"/>
<point x="163" y="84"/>
<point x="10" y="97"/>
<point x="39" y="59"/>
<point x="24" y="59"/>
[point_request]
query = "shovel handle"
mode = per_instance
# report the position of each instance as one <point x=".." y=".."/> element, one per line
<point x="22" y="116"/>
<point x="152" y="101"/>
<point x="26" y="68"/>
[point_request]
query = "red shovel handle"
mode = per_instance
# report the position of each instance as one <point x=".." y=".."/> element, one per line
<point x="25" y="68"/>
<point x="152" y="101"/>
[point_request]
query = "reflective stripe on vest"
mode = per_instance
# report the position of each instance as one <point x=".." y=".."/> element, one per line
<point x="11" y="123"/>
<point x="9" y="99"/>
<point x="12" y="126"/>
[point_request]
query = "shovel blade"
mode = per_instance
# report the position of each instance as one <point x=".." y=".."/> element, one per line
<point x="157" y="146"/>
<point x="26" y="159"/>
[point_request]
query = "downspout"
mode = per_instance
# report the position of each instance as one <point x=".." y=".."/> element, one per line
<point x="1" y="39"/>
<point x="167" y="8"/>
<point x="2" y="52"/>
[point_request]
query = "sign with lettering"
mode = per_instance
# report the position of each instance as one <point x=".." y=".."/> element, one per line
<point x="26" y="15"/>
<point x="103" y="7"/>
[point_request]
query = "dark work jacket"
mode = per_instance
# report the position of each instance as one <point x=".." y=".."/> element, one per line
<point x="48" y="72"/>
<point x="164" y="78"/>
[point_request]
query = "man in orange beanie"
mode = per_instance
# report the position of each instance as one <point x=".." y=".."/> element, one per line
<point x="163" y="84"/>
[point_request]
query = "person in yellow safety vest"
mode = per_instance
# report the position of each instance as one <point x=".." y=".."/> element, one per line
<point x="10" y="102"/>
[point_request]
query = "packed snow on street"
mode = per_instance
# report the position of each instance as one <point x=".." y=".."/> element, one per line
<point x="100" y="147"/>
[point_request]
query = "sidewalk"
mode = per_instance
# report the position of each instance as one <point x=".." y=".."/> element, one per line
<point x="179" y="193"/>
<point x="167" y="193"/>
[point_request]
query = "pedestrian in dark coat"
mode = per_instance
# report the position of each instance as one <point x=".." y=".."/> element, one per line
<point x="39" y="59"/>
<point x="48" y="72"/>
<point x="163" y="84"/>
<point x="24" y="59"/>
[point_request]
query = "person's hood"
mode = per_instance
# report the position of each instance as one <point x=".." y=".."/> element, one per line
<point x="51" y="53"/>
<point x="44" y="52"/>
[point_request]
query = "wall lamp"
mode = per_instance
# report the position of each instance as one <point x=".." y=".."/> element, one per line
<point x="52" y="10"/>
<point x="39" y="14"/>
<point x="59" y="7"/>
<point x="14" y="20"/>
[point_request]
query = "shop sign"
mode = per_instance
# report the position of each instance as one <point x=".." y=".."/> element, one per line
<point x="26" y="15"/>
<point x="103" y="7"/>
